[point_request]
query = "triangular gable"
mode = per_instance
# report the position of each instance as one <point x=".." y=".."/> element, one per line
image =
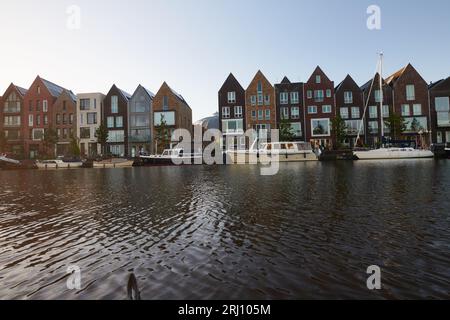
<point x="318" y="71"/>
<point x="231" y="79"/>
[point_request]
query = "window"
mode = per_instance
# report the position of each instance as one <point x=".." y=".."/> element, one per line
<point x="416" y="124"/>
<point x="64" y="118"/>
<point x="253" y="114"/>
<point x="168" y="116"/>
<point x="65" y="133"/>
<point x="110" y="122"/>
<point x="353" y="127"/>
<point x="238" y="111"/>
<point x="386" y="111"/>
<point x="85" y="104"/>
<point x="116" y="136"/>
<point x="326" y="109"/>
<point x="38" y="120"/>
<point x="232" y="97"/>
<point x="12" y="121"/>
<point x="405" y="110"/>
<point x="284" y="98"/>
<point x="373" y="112"/>
<point x="260" y="99"/>
<point x="225" y="112"/>
<point x="37" y="134"/>
<point x="320" y="127"/>
<point x="165" y="103"/>
<point x="295" y="113"/>
<point x="318" y="95"/>
<point x="85" y="133"/>
<point x="309" y="94"/>
<point x="410" y="92"/>
<point x="232" y="126"/>
<point x="64" y="106"/>
<point x="119" y="122"/>
<point x="45" y="106"/>
<point x="294" y="97"/>
<point x="81" y="118"/>
<point x="344" y="113"/>
<point x="312" y="109"/>
<point x="377" y="95"/>
<point x="373" y="127"/>
<point x="260" y="115"/>
<point x="92" y="118"/>
<point x="38" y="105"/>
<point x="348" y="97"/>
<point x="259" y="88"/>
<point x="38" y="90"/>
<point x="417" y="109"/>
<point x="95" y="103"/>
<point x="71" y="118"/>
<point x="356" y="113"/>
<point x="114" y="104"/>
<point x="253" y="100"/>
<point x="45" y="119"/>
<point x="284" y="112"/>
<point x="139" y="121"/>
<point x="297" y="129"/>
<point x="58" y="118"/>
<point x="442" y="106"/>
<point x="267" y="100"/>
<point x="328" y="93"/>
<point x="318" y="79"/>
<point x="30" y="120"/>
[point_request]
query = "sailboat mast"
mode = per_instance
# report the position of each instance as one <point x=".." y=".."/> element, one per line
<point x="381" y="95"/>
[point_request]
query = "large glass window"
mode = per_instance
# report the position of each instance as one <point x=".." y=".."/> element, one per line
<point x="140" y="121"/>
<point x="318" y="95"/>
<point x="373" y="112"/>
<point x="114" y="104"/>
<point x="442" y="105"/>
<point x="12" y="103"/>
<point x="353" y="127"/>
<point x="405" y="110"/>
<point x="416" y="124"/>
<point x="119" y="122"/>
<point x="85" y="104"/>
<point x="85" y="133"/>
<point x="110" y="122"/>
<point x="169" y="118"/>
<point x="356" y="113"/>
<point x="294" y="97"/>
<point x="297" y="129"/>
<point x="115" y="136"/>
<point x="12" y="121"/>
<point x="410" y="92"/>
<point x="348" y="97"/>
<point x="233" y="126"/>
<point x="284" y="98"/>
<point x="373" y="127"/>
<point x="344" y="113"/>
<point x="92" y="118"/>
<point x="320" y="127"/>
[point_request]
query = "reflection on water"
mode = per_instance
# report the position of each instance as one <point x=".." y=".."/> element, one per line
<point x="228" y="233"/>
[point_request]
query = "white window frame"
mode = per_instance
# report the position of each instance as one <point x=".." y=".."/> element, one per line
<point x="415" y="107"/>
<point x="345" y="114"/>
<point x="232" y="97"/>
<point x="238" y="112"/>
<point x="226" y="113"/>
<point x="358" y="112"/>
<point x="327" y="108"/>
<point x="312" y="109"/>
<point x="410" y="92"/>
<point x="295" y="97"/>
<point x="284" y="98"/>
<point x="406" y="110"/>
<point x="348" y="97"/>
<point x="321" y="135"/>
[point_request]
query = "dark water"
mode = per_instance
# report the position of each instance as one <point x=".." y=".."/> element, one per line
<point x="228" y="233"/>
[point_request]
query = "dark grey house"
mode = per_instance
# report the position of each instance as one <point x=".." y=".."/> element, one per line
<point x="140" y="125"/>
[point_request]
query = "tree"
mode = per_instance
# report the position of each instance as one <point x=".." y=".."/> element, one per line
<point x="339" y="128"/>
<point x="287" y="133"/>
<point x="50" y="140"/>
<point x="102" y="136"/>
<point x="162" y="135"/>
<point x="3" y="142"/>
<point x="396" y="125"/>
<point x="74" y="148"/>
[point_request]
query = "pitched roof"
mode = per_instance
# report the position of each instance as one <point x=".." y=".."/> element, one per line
<point x="232" y="78"/>
<point x="285" y="81"/>
<point x="347" y="78"/>
<point x="21" y="90"/>
<point x="56" y="90"/>
<point x="394" y="77"/>
<point x="150" y="94"/>
<point x="437" y="83"/>
<point x="177" y="95"/>
<point x="367" y="85"/>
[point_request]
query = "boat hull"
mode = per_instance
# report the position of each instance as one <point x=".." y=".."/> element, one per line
<point x="66" y="165"/>
<point x="167" y="161"/>
<point x="393" y="154"/>
<point x="121" y="164"/>
<point x="246" y="157"/>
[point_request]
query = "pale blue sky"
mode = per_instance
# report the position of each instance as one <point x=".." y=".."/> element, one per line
<point x="195" y="44"/>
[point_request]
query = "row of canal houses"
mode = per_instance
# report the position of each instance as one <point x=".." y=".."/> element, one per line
<point x="131" y="119"/>
<point x="309" y="107"/>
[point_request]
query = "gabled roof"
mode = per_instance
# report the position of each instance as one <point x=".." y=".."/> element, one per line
<point x="56" y="90"/>
<point x="231" y="78"/>
<point x="348" y="78"/>
<point x="366" y="86"/>
<point x="149" y="93"/>
<point x="21" y="90"/>
<point x="177" y="95"/>
<point x="285" y="81"/>
<point x="394" y="77"/>
<point x="123" y="93"/>
<point x="320" y="71"/>
<point x="437" y="84"/>
<point x="260" y="74"/>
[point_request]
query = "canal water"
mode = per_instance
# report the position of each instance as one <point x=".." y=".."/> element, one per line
<point x="226" y="232"/>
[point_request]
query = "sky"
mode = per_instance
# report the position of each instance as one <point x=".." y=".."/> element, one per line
<point x="194" y="44"/>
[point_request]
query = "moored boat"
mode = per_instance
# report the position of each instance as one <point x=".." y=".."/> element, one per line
<point x="113" y="163"/>
<point x="393" y="153"/>
<point x="176" y="156"/>
<point x="273" y="151"/>
<point x="58" y="164"/>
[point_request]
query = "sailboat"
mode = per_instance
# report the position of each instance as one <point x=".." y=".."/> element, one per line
<point x="386" y="153"/>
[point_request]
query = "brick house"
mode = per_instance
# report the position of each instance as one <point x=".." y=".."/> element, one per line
<point x="411" y="101"/>
<point x="12" y="119"/>
<point x="350" y="106"/>
<point x="115" y="119"/>
<point x="232" y="122"/>
<point x="289" y="103"/>
<point x="64" y="114"/>
<point x="38" y="115"/>
<point x="319" y="108"/>
<point x="260" y="106"/>
<point x="440" y="111"/>
<point x="173" y="108"/>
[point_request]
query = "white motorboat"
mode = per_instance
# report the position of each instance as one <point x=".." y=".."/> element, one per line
<point x="57" y="164"/>
<point x="4" y="158"/>
<point x="176" y="156"/>
<point x="393" y="153"/>
<point x="113" y="163"/>
<point x="273" y="151"/>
